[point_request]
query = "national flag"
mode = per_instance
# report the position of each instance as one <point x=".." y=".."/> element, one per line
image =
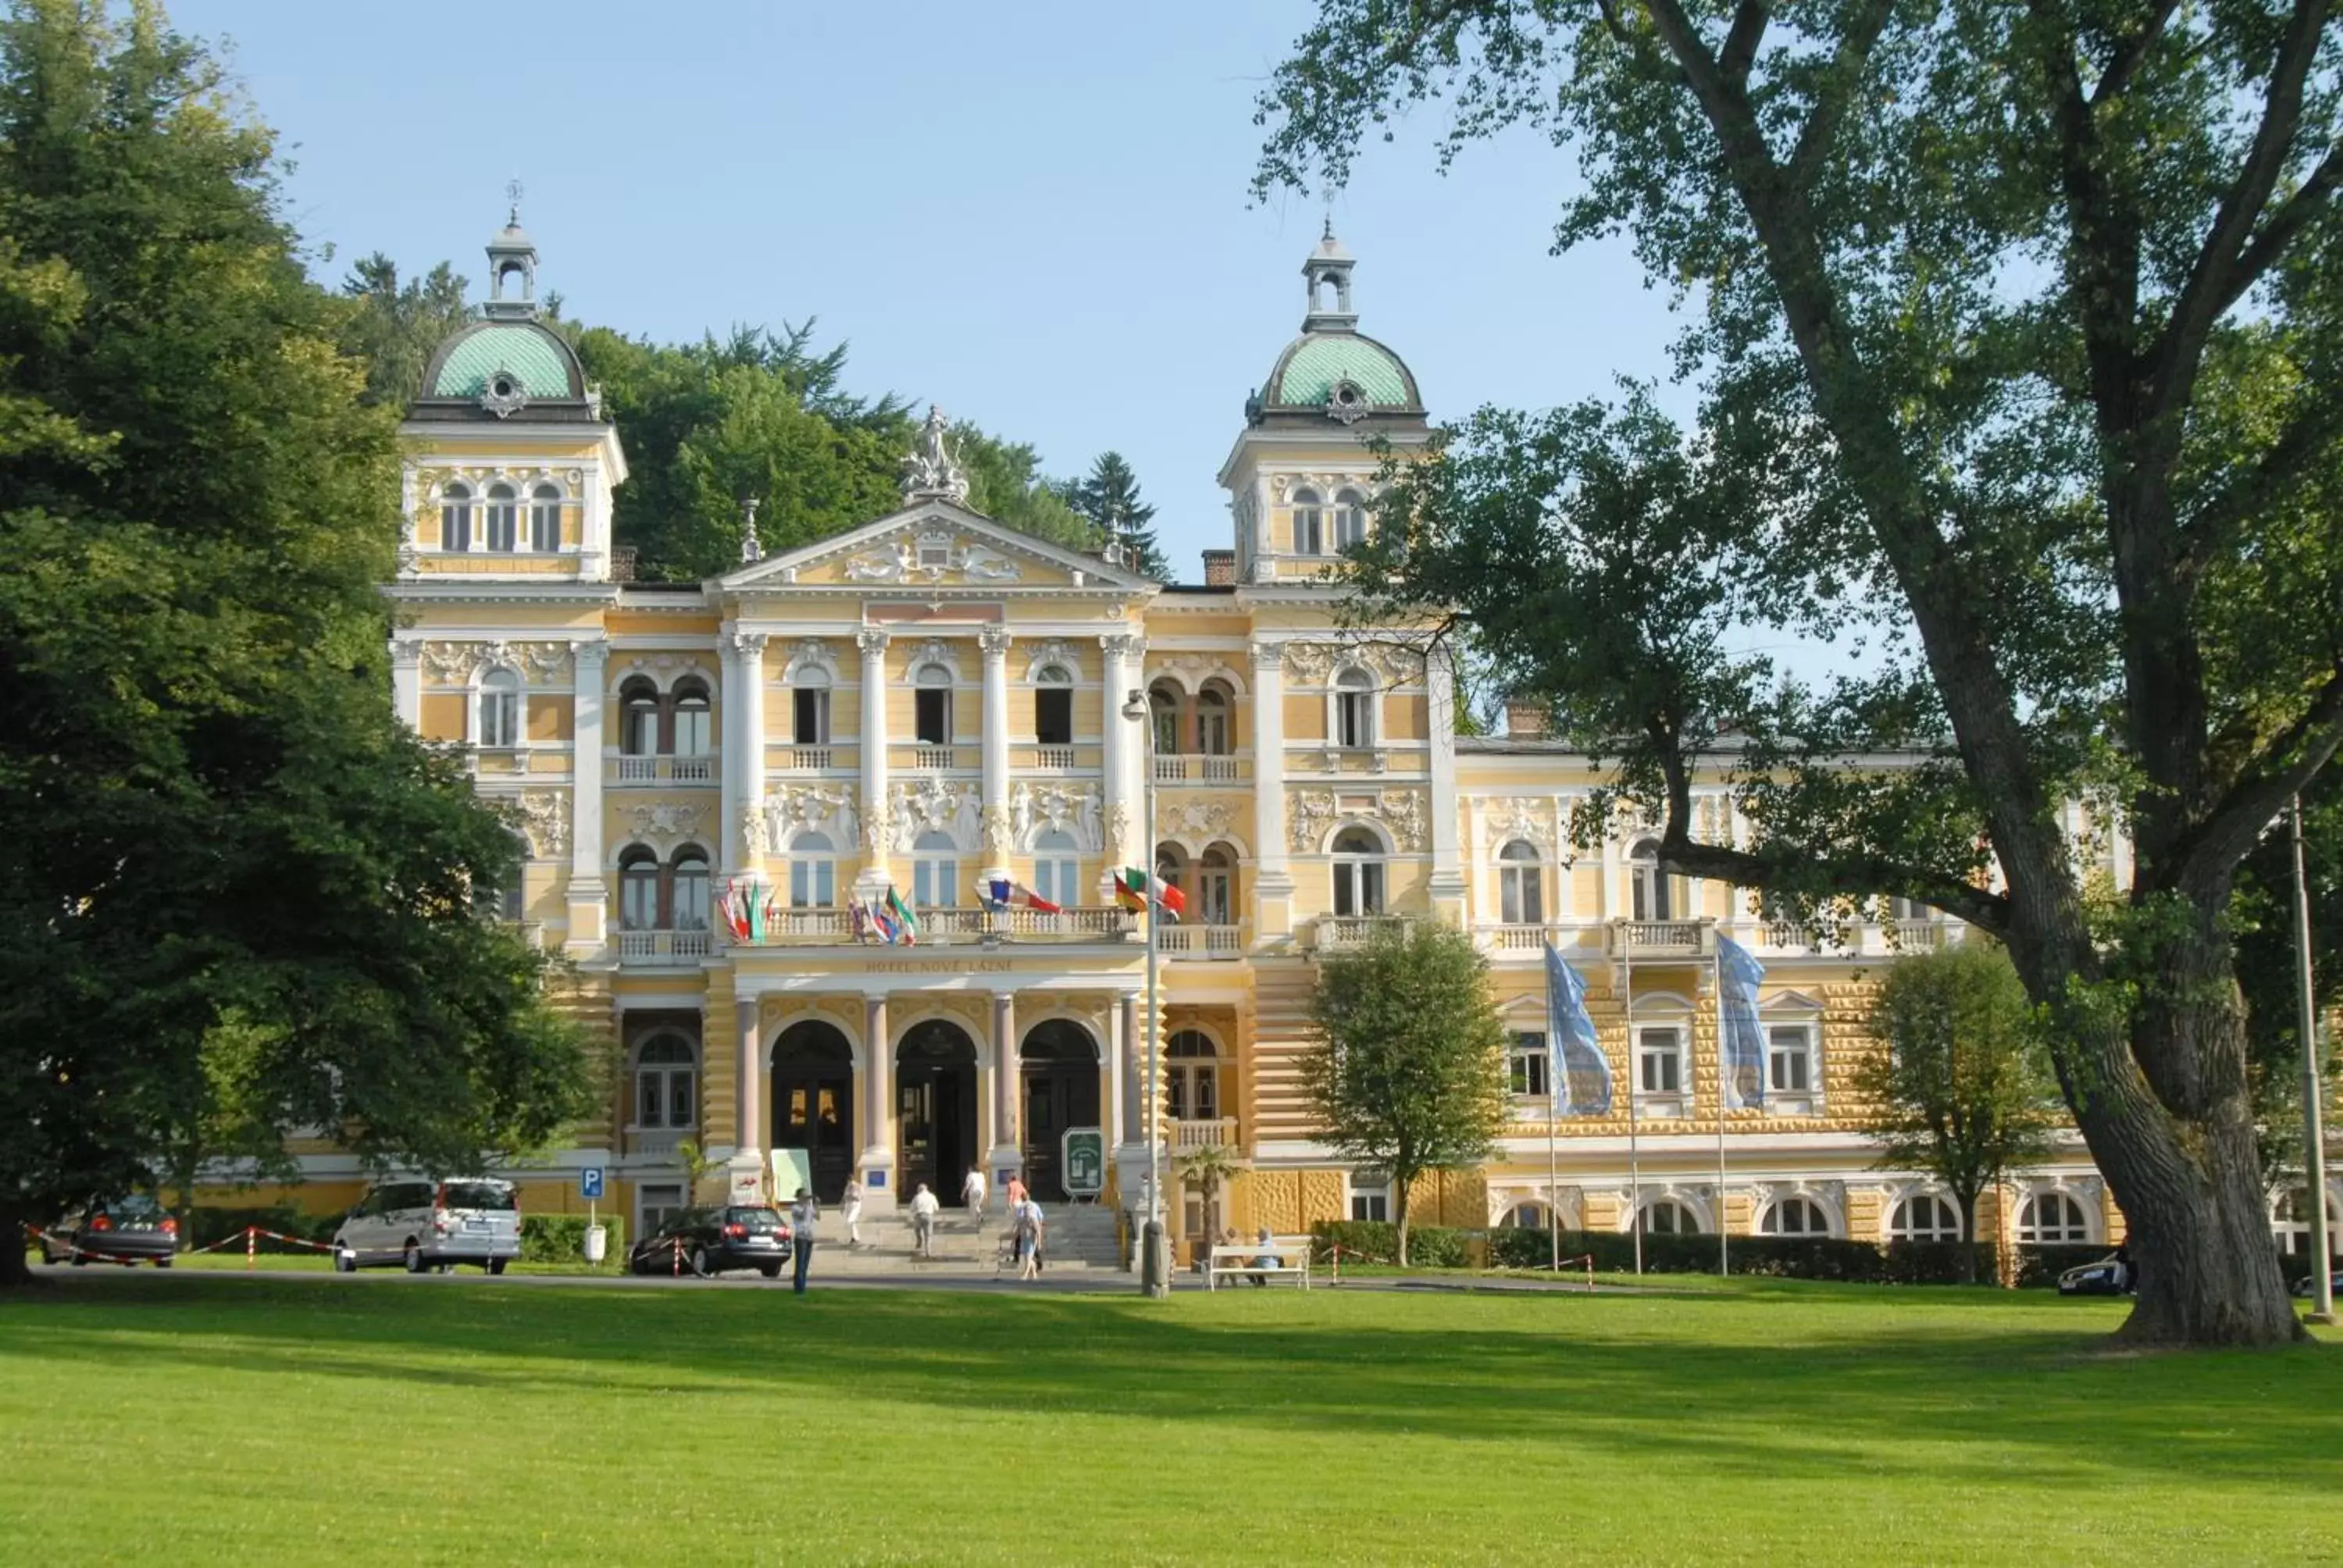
<point x="1001" y="893"/>
<point x="858" y="916"/>
<point x="1133" y="885"/>
<point x="734" y="910"/>
<point x="1740" y="1042"/>
<point x="907" y="923"/>
<point x="1580" y="1072"/>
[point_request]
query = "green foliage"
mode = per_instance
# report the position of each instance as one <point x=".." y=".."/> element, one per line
<point x="2264" y="917"/>
<point x="1408" y="1072"/>
<point x="1108" y="496"/>
<point x="205" y="1225"/>
<point x="561" y="1238"/>
<point x="1428" y="1246"/>
<point x="396" y="329"/>
<point x="244" y="899"/>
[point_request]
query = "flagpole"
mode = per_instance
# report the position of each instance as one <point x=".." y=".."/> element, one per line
<point x="1552" y="1114"/>
<point x="1724" y="1246"/>
<point x="1635" y="1082"/>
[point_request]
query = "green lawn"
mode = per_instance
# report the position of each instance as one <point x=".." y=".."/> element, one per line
<point x="209" y="1418"/>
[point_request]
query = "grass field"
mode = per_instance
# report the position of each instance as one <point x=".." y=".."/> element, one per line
<point x="206" y="1418"/>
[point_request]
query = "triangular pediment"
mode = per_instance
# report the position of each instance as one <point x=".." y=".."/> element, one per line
<point x="933" y="545"/>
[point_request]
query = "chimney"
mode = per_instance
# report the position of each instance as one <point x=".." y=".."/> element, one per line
<point x="1219" y="568"/>
<point x="1525" y="717"/>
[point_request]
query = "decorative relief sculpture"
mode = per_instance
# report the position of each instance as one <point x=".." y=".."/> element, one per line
<point x="997" y="840"/>
<point x="544" y="818"/>
<point x="809" y="653"/>
<point x="1309" y="818"/>
<point x="888" y="564"/>
<point x="663" y="824"/>
<point x="1057" y="651"/>
<point x="456" y="663"/>
<point x="1073" y="809"/>
<point x="932" y="470"/>
<point x="1520" y="817"/>
<point x="753" y="838"/>
<point x="828" y="809"/>
<point x="935" y="805"/>
<point x="1392" y="664"/>
<point x="1311" y="814"/>
<point x="1199" y="820"/>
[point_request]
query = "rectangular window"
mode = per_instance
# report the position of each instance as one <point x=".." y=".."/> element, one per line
<point x="504" y="525"/>
<point x="1212" y="730"/>
<point x="813" y="716"/>
<point x="1370" y="1199"/>
<point x="691" y="732"/>
<point x="659" y="1204"/>
<point x="501" y="719"/>
<point x="1308" y="536"/>
<point x="812" y="884"/>
<point x="932" y="719"/>
<point x="1058" y="881"/>
<point x="1529" y="1063"/>
<point x="1519" y="889"/>
<point x="512" y="900"/>
<point x="1212" y="898"/>
<point x="1789" y="1059"/>
<point x="1358" y="887"/>
<point x="545" y="526"/>
<point x="1659" y="1061"/>
<point x="1354" y="719"/>
<point x="934" y="884"/>
<point x="1053" y="715"/>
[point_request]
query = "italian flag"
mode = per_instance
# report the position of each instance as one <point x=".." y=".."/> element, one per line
<point x="1132" y="888"/>
<point x="907" y="923"/>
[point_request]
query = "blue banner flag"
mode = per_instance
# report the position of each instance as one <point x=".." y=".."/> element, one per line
<point x="1740" y="1042"/>
<point x="1580" y="1072"/>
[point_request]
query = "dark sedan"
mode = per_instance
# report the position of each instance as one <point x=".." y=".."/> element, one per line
<point x="126" y="1231"/>
<point x="707" y="1242"/>
<point x="2304" y="1286"/>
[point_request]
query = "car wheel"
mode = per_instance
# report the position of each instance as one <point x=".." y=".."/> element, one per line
<point x="414" y="1258"/>
<point x="496" y="1265"/>
<point x="771" y="1271"/>
<point x="163" y="1262"/>
<point x="699" y="1261"/>
<point x="345" y="1262"/>
<point x="80" y="1259"/>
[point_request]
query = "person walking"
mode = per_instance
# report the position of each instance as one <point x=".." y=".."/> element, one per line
<point x="1027" y="1223"/>
<point x="971" y="1192"/>
<point x="851" y="1210"/>
<point x="1015" y="1191"/>
<point x="924" y="1209"/>
<point x="804" y="1215"/>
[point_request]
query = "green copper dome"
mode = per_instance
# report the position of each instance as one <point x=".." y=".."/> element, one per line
<point x="1313" y="366"/>
<point x="532" y="356"/>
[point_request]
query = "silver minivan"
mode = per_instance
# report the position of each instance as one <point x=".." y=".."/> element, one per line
<point x="431" y="1224"/>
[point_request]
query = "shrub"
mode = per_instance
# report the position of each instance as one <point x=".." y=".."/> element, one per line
<point x="1428" y="1246"/>
<point x="2039" y="1267"/>
<point x="208" y="1225"/>
<point x="561" y="1238"/>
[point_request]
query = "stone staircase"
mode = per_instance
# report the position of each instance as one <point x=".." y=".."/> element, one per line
<point x="1080" y="1237"/>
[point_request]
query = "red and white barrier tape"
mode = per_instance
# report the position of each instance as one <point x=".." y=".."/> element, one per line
<point x="249" y="1235"/>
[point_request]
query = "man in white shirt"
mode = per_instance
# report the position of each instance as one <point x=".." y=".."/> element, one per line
<point x="924" y="1209"/>
<point x="803" y="1215"/>
<point x="971" y="1192"/>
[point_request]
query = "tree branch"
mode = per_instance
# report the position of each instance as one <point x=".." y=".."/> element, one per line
<point x="2315" y="427"/>
<point x="2205" y="857"/>
<point x="1740" y="43"/>
<point x="2309" y="200"/>
<point x="1838" y="90"/>
<point x="2133" y="53"/>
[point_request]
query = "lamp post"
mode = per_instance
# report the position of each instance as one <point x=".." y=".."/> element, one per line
<point x="1155" y="1246"/>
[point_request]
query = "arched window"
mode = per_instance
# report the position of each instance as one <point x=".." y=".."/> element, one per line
<point x="639" y="891"/>
<point x="1358" y="873"/>
<point x="935" y="871"/>
<point x="1164" y="712"/>
<point x="544" y="520"/>
<point x="813" y="871"/>
<point x="1053" y="706"/>
<point x="638" y="718"/>
<point x="499" y="729"/>
<point x="1520" y="885"/>
<point x="931" y="700"/>
<point x="1666" y="1217"/>
<point x="810" y="708"/>
<point x="1216" y="879"/>
<point x="692" y="718"/>
<point x="1794" y="1216"/>
<point x="1195" y="1076"/>
<point x="456" y="518"/>
<point x="1924" y="1218"/>
<point x="502" y="520"/>
<point x="1349" y="519"/>
<point x="1309" y="524"/>
<point x="1651" y="897"/>
<point x="1354" y="709"/>
<point x="1528" y="1216"/>
<point x="691" y="908"/>
<point x="1215" y="734"/>
<point x="1057" y="873"/>
<point x="2291" y="1223"/>
<point x="2050" y="1218"/>
<point x="664" y="1087"/>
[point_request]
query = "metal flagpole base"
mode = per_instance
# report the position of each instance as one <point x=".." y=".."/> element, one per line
<point x="1154" y="1260"/>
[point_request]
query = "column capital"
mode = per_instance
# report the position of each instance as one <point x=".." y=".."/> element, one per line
<point x="994" y="640"/>
<point x="407" y="651"/>
<point x="873" y="641"/>
<point x="1268" y="654"/>
<point x="593" y="650"/>
<point x="746" y="645"/>
<point x="1123" y="645"/>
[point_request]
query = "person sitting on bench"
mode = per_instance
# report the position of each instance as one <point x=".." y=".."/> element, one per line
<point x="1265" y="1258"/>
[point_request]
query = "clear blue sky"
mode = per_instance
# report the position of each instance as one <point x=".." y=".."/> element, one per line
<point x="1034" y="215"/>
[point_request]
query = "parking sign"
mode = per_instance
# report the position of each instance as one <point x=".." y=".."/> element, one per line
<point x="590" y="1182"/>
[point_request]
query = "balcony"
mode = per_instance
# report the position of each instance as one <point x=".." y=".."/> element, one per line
<point x="1212" y="1132"/>
<point x="1514" y="939"/>
<point x="1661" y="939"/>
<point x="1336" y="932"/>
<point x="1054" y="759"/>
<point x="1175" y="941"/>
<point x="808" y="758"/>
<point x="662" y="949"/>
<point x="951" y="928"/>
<point x="655" y="1142"/>
<point x="934" y="759"/>
<point x="663" y="769"/>
<point x="1198" y="768"/>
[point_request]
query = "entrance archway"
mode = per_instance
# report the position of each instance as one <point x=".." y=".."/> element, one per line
<point x="813" y="1103"/>
<point x="935" y="1108"/>
<point x="1059" y="1088"/>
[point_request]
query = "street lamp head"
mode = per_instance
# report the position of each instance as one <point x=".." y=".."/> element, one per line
<point x="1134" y="706"/>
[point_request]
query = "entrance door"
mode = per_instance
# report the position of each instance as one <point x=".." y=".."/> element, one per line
<point x="813" y="1103"/>
<point x="1060" y="1067"/>
<point x="935" y="1108"/>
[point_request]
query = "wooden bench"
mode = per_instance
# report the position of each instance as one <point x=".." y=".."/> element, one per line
<point x="1235" y="1260"/>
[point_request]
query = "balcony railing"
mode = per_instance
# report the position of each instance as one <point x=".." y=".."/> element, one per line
<point x="952" y="928"/>
<point x="1212" y="1132"/>
<point x="934" y="759"/>
<point x="1914" y="935"/>
<point x="808" y="758"/>
<point x="657" y="948"/>
<point x="1515" y="937"/>
<point x="666" y="769"/>
<point x="1199" y="941"/>
<point x="1056" y="759"/>
<point x="655" y="1142"/>
<point x="1338" y="931"/>
<point x="1209" y="768"/>
<point x="1663" y="938"/>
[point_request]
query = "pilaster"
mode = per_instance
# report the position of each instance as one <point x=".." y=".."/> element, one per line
<point x="993" y="641"/>
<point x="407" y="678"/>
<point x="588" y="896"/>
<point x="1006" y="1156"/>
<point x="1272" y="882"/>
<point x="1121" y="760"/>
<point x="1448" y="888"/>
<point x="875" y="877"/>
<point x="878" y="1161"/>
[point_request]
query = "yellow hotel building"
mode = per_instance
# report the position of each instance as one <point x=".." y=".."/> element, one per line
<point x="932" y="699"/>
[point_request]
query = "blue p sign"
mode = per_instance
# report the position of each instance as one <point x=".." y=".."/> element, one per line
<point x="590" y="1182"/>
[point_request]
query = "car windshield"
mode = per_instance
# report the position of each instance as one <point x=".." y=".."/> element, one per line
<point x="684" y="1220"/>
<point x="493" y="1195"/>
<point x="133" y="1208"/>
<point x="757" y="1220"/>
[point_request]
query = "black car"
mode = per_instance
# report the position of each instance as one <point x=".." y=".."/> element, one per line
<point x="2110" y="1276"/>
<point x="126" y="1230"/>
<point x="704" y="1241"/>
<point x="2302" y="1287"/>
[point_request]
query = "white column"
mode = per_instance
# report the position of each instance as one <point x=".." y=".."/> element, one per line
<point x="873" y="880"/>
<point x="1121" y="741"/>
<point x="1273" y="883"/>
<point x="406" y="679"/>
<point x="748" y="1080"/>
<point x="879" y="1108"/>
<point x="1006" y="1156"/>
<point x="1447" y="860"/>
<point x="589" y="897"/>
<point x="744" y="755"/>
<point x="994" y="642"/>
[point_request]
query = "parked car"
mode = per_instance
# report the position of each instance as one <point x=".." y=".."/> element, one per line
<point x="2302" y="1286"/>
<point x="431" y="1225"/>
<point x="704" y="1241"/>
<point x="126" y="1230"/>
<point x="2110" y="1276"/>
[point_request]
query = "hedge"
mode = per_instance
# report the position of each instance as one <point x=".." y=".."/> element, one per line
<point x="1428" y="1246"/>
<point x="209" y="1225"/>
<point x="561" y="1239"/>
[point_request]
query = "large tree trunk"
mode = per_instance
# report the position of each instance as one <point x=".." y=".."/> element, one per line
<point x="1968" y="1203"/>
<point x="14" y="1269"/>
<point x="1399" y="1207"/>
